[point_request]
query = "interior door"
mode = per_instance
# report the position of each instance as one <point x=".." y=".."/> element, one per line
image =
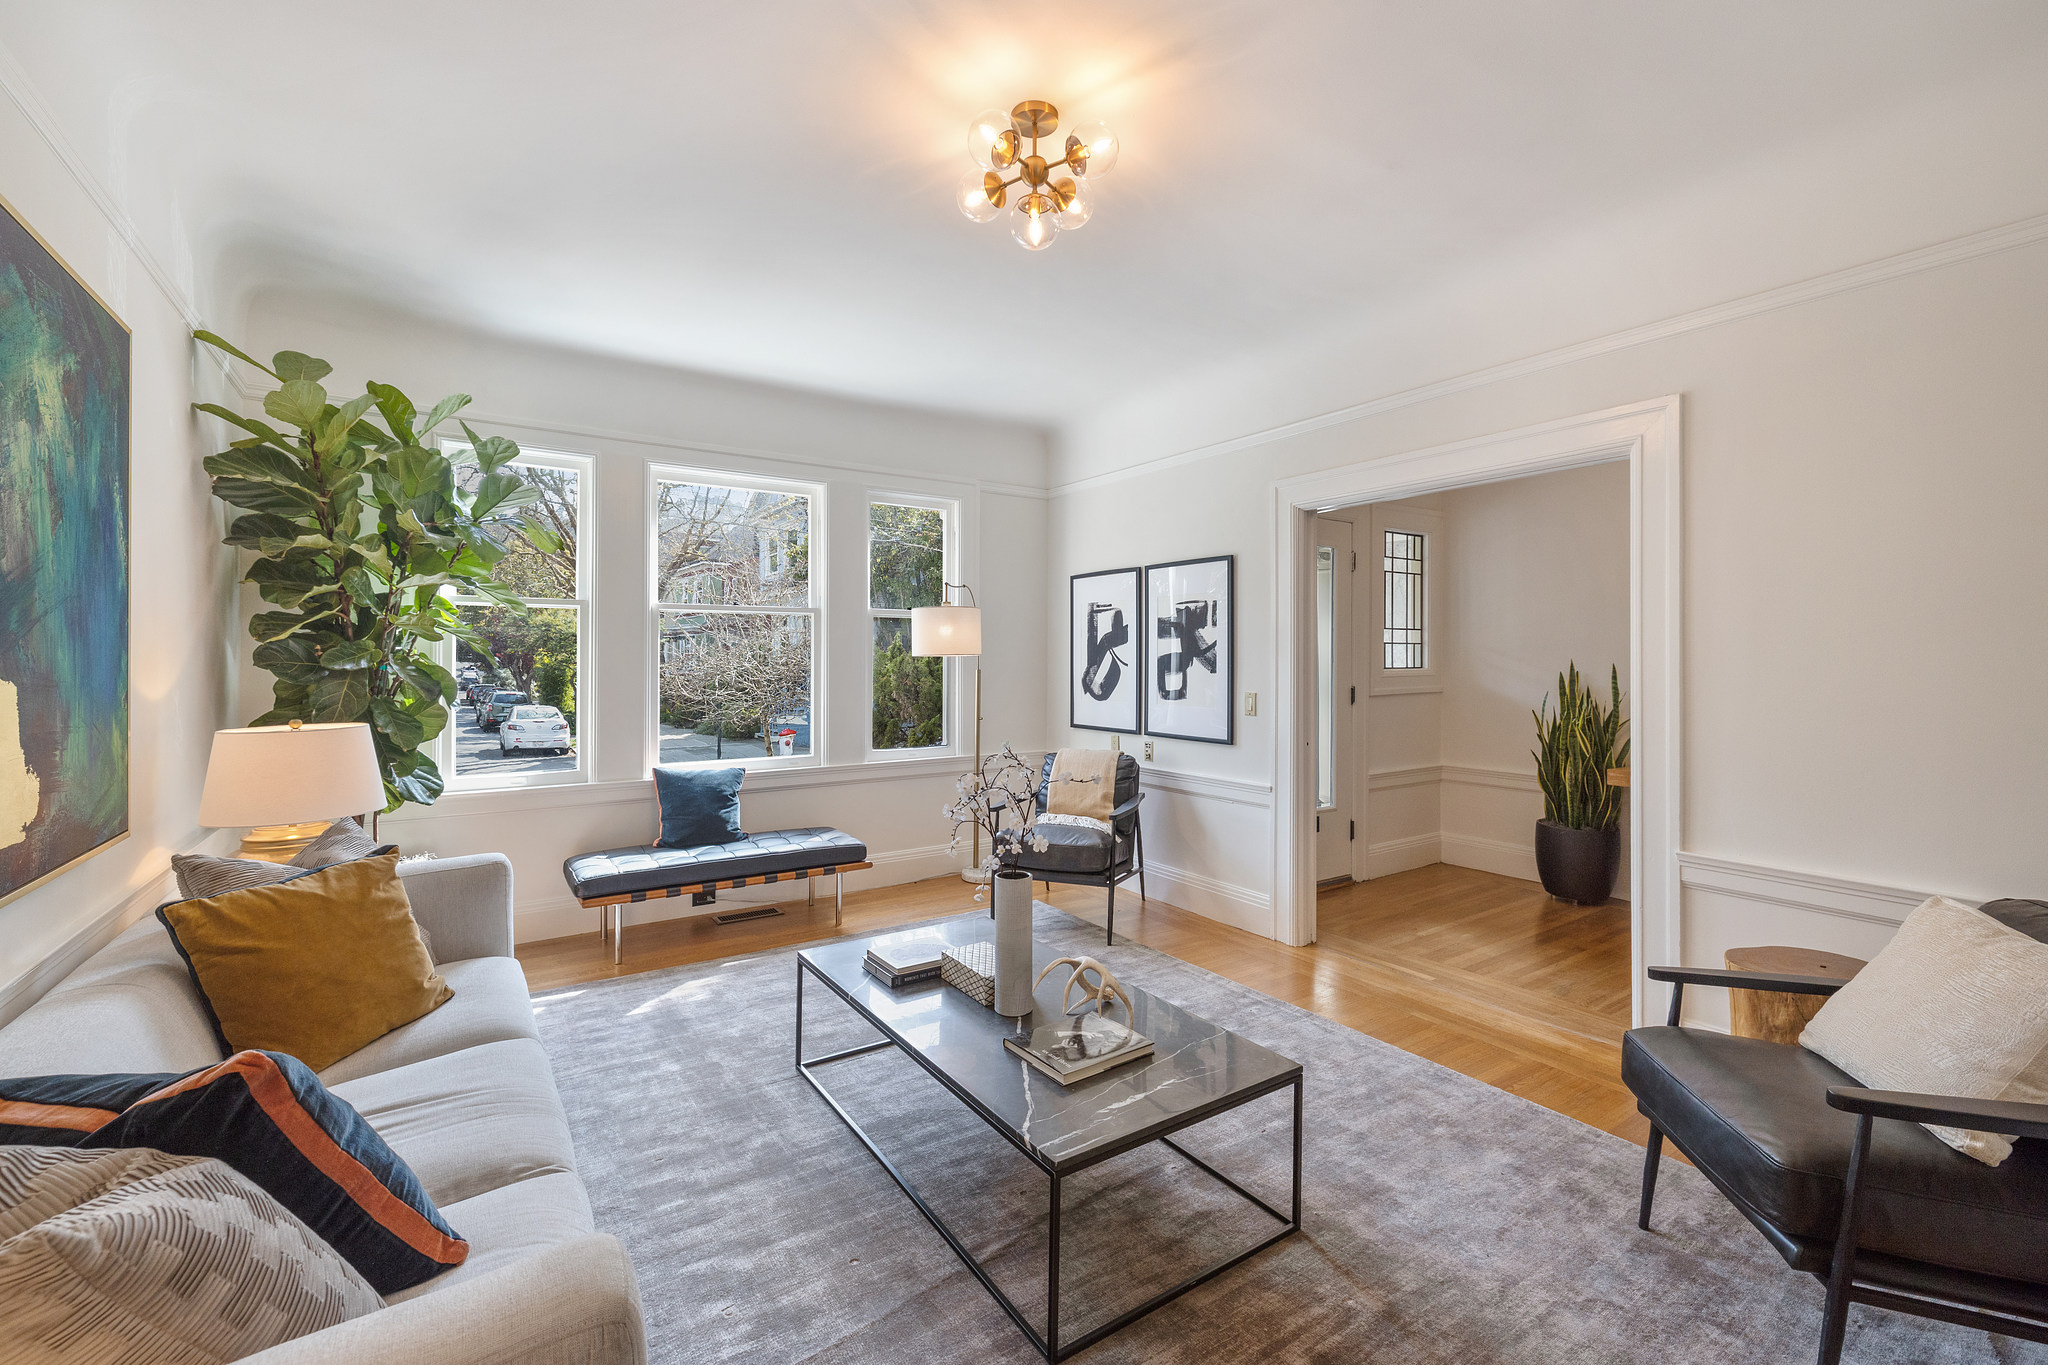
<point x="1336" y="703"/>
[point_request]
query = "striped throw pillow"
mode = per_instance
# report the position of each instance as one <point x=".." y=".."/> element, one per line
<point x="200" y="875"/>
<point x="136" y="1255"/>
<point x="341" y="842"/>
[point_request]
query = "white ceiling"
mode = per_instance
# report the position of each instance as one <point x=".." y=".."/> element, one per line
<point x="765" y="189"/>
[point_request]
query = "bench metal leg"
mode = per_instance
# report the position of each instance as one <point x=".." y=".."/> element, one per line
<point x="618" y="926"/>
<point x="838" y="897"/>
<point x="810" y="891"/>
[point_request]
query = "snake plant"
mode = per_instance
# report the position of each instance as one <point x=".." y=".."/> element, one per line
<point x="1575" y="748"/>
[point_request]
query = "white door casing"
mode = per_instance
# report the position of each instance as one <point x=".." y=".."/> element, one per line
<point x="1336" y="834"/>
<point x="1647" y="435"/>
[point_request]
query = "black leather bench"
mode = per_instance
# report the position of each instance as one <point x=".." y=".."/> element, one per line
<point x="616" y="877"/>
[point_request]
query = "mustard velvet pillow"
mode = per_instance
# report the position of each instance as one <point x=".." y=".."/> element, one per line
<point x="317" y="967"/>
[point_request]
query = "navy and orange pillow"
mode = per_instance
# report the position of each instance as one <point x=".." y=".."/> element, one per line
<point x="269" y="1117"/>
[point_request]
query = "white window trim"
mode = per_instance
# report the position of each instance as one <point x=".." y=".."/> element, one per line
<point x="442" y="749"/>
<point x="661" y="473"/>
<point x="949" y="509"/>
<point x="1390" y="682"/>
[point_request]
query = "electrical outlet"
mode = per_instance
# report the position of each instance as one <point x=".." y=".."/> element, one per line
<point x="1148" y="751"/>
<point x="1251" y="703"/>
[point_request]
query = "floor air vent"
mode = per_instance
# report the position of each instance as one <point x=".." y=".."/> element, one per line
<point x="741" y="916"/>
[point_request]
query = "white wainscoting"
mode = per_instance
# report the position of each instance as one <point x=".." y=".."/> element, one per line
<point x="1209" y="847"/>
<point x="1731" y="904"/>
<point x="1478" y="817"/>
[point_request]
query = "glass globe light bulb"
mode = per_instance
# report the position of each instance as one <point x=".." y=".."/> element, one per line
<point x="1100" y="145"/>
<point x="984" y="134"/>
<point x="1034" y="224"/>
<point x="1076" y="205"/>
<point x="974" y="199"/>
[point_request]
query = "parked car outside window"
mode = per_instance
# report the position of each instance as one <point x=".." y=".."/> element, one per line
<point x="498" y="708"/>
<point x="534" y="727"/>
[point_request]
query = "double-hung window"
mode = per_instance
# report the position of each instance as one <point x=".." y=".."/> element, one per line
<point x="736" y="618"/>
<point x="906" y="569"/>
<point x="536" y="657"/>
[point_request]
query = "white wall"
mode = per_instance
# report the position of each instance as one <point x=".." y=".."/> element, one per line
<point x="1865" y="626"/>
<point x="626" y="416"/>
<point x="181" y="584"/>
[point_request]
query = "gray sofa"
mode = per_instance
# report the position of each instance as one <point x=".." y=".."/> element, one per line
<point x="464" y="1095"/>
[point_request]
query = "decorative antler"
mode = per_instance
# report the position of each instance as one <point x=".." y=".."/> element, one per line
<point x="1098" y="994"/>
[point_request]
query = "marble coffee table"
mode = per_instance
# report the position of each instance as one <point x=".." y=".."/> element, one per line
<point x="1196" y="1072"/>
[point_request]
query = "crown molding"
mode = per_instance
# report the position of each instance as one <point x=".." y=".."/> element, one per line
<point x="14" y="79"/>
<point x="1971" y="246"/>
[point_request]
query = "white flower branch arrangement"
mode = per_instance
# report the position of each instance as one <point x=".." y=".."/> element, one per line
<point x="1001" y="799"/>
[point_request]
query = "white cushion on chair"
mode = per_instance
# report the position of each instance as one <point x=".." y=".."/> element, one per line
<point x="1956" y="1004"/>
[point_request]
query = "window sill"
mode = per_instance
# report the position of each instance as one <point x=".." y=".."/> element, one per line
<point x="457" y="803"/>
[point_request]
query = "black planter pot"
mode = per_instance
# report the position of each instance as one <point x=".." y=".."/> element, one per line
<point x="1577" y="864"/>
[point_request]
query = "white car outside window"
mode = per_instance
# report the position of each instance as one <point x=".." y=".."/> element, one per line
<point x="534" y="727"/>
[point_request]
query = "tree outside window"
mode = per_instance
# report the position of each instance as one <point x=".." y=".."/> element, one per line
<point x="906" y="569"/>
<point x="537" y="652"/>
<point x="737" y="629"/>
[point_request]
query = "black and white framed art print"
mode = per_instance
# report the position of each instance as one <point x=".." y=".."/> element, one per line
<point x="1190" y="619"/>
<point x="1107" y="664"/>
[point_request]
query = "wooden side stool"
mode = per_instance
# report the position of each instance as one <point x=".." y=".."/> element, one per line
<point x="1778" y="1016"/>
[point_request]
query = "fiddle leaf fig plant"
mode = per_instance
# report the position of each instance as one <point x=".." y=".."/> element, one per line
<point x="360" y="530"/>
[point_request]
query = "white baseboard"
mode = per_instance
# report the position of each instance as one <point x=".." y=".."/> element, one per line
<point x="560" y="916"/>
<point x="1402" y="855"/>
<point x="1240" y="907"/>
<point x="1490" y="855"/>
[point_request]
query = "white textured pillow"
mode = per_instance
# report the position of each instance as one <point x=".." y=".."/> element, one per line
<point x="134" y="1257"/>
<point x="1955" y="1004"/>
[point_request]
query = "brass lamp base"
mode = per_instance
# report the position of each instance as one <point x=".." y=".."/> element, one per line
<point x="280" y="843"/>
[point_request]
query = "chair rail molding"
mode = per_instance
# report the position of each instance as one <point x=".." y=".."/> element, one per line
<point x="1230" y="790"/>
<point x="1871" y="902"/>
<point x="1647" y="435"/>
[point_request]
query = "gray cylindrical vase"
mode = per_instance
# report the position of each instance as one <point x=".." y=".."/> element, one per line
<point x="1013" y="944"/>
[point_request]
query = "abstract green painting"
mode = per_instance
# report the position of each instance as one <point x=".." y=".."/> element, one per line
<point x="64" y="396"/>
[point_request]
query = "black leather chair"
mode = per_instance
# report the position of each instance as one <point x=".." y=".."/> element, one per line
<point x="1086" y="857"/>
<point x="1842" y="1181"/>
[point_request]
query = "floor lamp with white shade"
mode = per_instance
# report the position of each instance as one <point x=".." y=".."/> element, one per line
<point x="948" y="631"/>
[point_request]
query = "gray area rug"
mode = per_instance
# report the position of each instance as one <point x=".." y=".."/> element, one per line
<point x="1443" y="1220"/>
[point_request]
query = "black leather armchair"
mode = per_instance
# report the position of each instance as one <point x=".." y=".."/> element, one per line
<point x="1841" y="1180"/>
<point x="1087" y="857"/>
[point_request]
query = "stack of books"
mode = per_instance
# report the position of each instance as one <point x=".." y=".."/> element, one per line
<point x="1079" y="1048"/>
<point x="905" y="959"/>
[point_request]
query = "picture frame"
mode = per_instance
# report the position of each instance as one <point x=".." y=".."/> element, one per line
<point x="64" y="587"/>
<point x="1106" y="650"/>
<point x="1190" y="628"/>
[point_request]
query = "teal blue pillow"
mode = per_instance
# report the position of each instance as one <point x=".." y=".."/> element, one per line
<point x="698" y="805"/>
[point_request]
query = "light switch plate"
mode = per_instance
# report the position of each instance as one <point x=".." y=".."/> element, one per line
<point x="1251" y="703"/>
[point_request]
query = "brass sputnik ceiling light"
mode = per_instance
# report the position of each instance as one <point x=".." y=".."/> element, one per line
<point x="1044" y="204"/>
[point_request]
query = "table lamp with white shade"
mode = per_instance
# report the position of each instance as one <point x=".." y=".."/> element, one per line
<point x="951" y="632"/>
<point x="288" y="783"/>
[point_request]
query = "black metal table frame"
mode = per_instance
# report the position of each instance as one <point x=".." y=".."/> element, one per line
<point x="1049" y="1344"/>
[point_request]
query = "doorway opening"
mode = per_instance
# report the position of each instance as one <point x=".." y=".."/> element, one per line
<point x="1434" y="649"/>
<point x="1336" y="769"/>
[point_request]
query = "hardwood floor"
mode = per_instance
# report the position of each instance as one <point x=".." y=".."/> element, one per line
<point x="1482" y="974"/>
